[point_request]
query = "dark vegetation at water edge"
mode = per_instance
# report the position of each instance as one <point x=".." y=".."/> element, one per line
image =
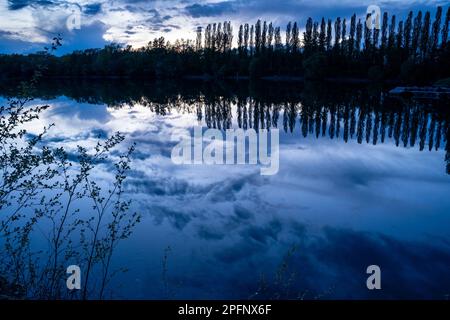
<point x="416" y="50"/>
<point x="42" y="192"/>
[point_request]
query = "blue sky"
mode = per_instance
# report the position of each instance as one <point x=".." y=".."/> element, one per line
<point x="27" y="26"/>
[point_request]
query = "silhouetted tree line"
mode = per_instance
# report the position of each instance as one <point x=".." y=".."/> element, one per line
<point x="414" y="50"/>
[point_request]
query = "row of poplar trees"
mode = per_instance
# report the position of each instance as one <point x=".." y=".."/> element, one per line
<point x="418" y="35"/>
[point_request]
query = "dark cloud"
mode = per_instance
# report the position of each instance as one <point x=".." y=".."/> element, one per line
<point x="242" y="213"/>
<point x="207" y="233"/>
<point x="242" y="250"/>
<point x="227" y="190"/>
<point x="117" y="10"/>
<point x="262" y="234"/>
<point x="132" y="9"/>
<point x="177" y="219"/>
<point x="209" y="10"/>
<point x="157" y="19"/>
<point x="160" y="187"/>
<point x="6" y="33"/>
<point x="92" y="9"/>
<point x="138" y="1"/>
<point x="332" y="264"/>
<point x="409" y="269"/>
<point x="19" y="4"/>
<point x="99" y="133"/>
<point x="152" y="18"/>
<point x="299" y="9"/>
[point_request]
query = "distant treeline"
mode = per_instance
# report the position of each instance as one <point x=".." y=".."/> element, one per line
<point x="416" y="50"/>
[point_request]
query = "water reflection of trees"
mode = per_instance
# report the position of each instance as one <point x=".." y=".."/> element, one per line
<point x="407" y="126"/>
<point x="365" y="119"/>
<point x="345" y="112"/>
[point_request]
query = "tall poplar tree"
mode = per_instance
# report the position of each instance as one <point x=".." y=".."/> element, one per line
<point x="252" y="41"/>
<point x="295" y="38"/>
<point x="315" y="34"/>
<point x="425" y="34"/>
<point x="384" y="31"/>
<point x="400" y="35"/>
<point x="376" y="37"/>
<point x="241" y="39"/>
<point x="436" y="29"/>
<point x="391" y="39"/>
<point x="416" y="33"/>
<point x="308" y="35"/>
<point x="445" y="28"/>
<point x="278" y="43"/>
<point x="407" y="32"/>
<point x="198" y="41"/>
<point x="246" y="37"/>
<point x="258" y="36"/>
<point x="351" y="40"/>
<point x="322" y="35"/>
<point x="344" y="32"/>
<point x="270" y="36"/>
<point x="337" y="32"/>
<point x="264" y="36"/>
<point x="367" y="35"/>
<point x="208" y="37"/>
<point x="288" y="36"/>
<point x="359" y="30"/>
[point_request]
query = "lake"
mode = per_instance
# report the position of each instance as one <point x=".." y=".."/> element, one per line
<point x="363" y="180"/>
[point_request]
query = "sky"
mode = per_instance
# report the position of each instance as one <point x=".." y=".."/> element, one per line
<point x="27" y="26"/>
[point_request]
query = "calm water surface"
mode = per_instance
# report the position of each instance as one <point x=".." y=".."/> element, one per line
<point x="364" y="179"/>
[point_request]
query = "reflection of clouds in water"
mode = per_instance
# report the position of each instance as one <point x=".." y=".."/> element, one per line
<point x="235" y="223"/>
<point x="333" y="261"/>
<point x="177" y="219"/>
<point x="315" y="178"/>
<point x="330" y="260"/>
<point x="64" y="109"/>
<point x="408" y="269"/>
